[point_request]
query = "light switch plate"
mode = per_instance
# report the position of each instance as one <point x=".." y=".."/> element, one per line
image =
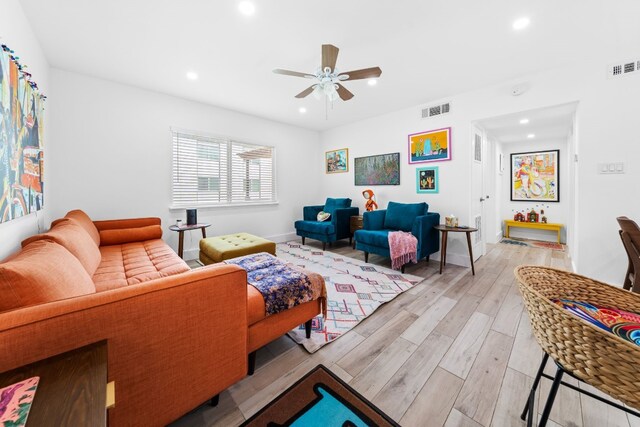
<point x="611" y="168"/>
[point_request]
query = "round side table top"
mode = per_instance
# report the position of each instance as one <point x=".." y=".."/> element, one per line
<point x="188" y="227"/>
<point x="443" y="227"/>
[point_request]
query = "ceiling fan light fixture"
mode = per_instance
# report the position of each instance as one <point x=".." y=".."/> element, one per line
<point x="318" y="92"/>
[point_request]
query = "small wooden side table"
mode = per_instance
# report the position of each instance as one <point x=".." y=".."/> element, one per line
<point x="443" y="250"/>
<point x="355" y="223"/>
<point x="72" y="390"/>
<point x="184" y="228"/>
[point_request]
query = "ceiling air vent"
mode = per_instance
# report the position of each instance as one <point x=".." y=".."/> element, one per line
<point x="436" y="110"/>
<point x="624" y="68"/>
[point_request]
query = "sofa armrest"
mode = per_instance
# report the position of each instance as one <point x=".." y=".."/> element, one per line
<point x="373" y="220"/>
<point x="310" y="213"/>
<point x="173" y="343"/>
<point x="342" y="220"/>
<point x="428" y="237"/>
<point x="118" y="224"/>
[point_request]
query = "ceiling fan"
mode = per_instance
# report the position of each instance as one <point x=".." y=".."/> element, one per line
<point x="328" y="79"/>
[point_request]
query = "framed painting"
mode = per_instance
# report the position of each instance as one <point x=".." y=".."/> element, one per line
<point x="336" y="161"/>
<point x="430" y="146"/>
<point x="382" y="169"/>
<point x="427" y="180"/>
<point x="535" y="176"/>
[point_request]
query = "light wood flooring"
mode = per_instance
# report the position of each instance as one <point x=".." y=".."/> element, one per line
<point x="456" y="350"/>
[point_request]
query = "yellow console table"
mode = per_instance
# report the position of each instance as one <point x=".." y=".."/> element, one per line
<point x="508" y="223"/>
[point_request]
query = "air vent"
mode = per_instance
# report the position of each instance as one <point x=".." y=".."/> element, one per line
<point x="624" y="68"/>
<point x="478" y="234"/>
<point x="436" y="110"/>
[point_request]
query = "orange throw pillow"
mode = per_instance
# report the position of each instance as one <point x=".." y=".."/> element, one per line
<point x="121" y="236"/>
<point x="68" y="233"/>
<point x="85" y="222"/>
<point x="41" y="272"/>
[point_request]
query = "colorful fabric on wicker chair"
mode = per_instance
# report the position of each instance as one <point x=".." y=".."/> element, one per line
<point x="623" y="324"/>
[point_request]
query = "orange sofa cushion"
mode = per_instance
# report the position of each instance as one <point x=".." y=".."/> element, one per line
<point x="68" y="233"/>
<point x="41" y="272"/>
<point x="85" y="222"/>
<point x="121" y="236"/>
<point x="137" y="262"/>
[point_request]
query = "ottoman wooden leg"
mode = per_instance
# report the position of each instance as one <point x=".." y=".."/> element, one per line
<point x="307" y="327"/>
<point x="252" y="363"/>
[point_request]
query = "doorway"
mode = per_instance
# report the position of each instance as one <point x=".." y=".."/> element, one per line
<point x="498" y="145"/>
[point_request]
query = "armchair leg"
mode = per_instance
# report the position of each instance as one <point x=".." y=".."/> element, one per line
<point x="215" y="400"/>
<point x="324" y="246"/>
<point x="350" y="240"/>
<point x="366" y="257"/>
<point x="252" y="363"/>
<point x="303" y="240"/>
<point x="428" y="258"/>
<point x="307" y="328"/>
<point x="402" y="268"/>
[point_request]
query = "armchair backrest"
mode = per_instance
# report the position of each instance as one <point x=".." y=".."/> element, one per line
<point x="401" y="216"/>
<point x="332" y="204"/>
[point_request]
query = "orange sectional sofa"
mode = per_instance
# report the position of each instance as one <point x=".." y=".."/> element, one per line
<point x="176" y="337"/>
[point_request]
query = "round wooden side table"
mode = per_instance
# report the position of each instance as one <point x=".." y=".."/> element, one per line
<point x="444" y="230"/>
<point x="181" y="229"/>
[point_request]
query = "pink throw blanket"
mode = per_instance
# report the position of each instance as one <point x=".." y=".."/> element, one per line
<point x="403" y="247"/>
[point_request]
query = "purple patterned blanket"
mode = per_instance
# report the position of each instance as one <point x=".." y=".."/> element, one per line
<point x="282" y="285"/>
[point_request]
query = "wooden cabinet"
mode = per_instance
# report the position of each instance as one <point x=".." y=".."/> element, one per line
<point x="355" y="223"/>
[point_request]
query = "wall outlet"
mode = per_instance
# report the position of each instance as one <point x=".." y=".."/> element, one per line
<point x="611" y="168"/>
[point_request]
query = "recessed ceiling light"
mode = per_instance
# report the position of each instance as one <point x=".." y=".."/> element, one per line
<point x="192" y="76"/>
<point x="373" y="82"/>
<point x="246" y="8"/>
<point x="524" y="121"/>
<point x="302" y="110"/>
<point x="531" y="136"/>
<point x="521" y="23"/>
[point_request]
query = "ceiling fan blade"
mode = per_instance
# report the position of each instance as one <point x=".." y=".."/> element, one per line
<point x="366" y="73"/>
<point x="292" y="73"/>
<point x="329" y="56"/>
<point x="305" y="92"/>
<point x="344" y="93"/>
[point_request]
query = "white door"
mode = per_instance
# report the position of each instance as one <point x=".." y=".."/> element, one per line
<point x="478" y="193"/>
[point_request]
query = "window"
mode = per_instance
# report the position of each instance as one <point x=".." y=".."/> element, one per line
<point x="211" y="171"/>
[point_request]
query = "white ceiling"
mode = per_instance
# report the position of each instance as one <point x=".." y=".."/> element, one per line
<point x="550" y="123"/>
<point x="426" y="49"/>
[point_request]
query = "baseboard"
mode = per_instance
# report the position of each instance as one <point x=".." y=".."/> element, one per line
<point x="456" y="259"/>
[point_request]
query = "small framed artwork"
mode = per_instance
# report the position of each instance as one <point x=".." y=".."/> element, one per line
<point x="427" y="180"/>
<point x="535" y="176"/>
<point x="430" y="146"/>
<point x="337" y="161"/>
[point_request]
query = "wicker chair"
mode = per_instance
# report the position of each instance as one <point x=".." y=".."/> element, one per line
<point x="630" y="235"/>
<point x="580" y="349"/>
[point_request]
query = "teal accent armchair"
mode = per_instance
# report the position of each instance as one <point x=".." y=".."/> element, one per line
<point x="411" y="217"/>
<point x="335" y="228"/>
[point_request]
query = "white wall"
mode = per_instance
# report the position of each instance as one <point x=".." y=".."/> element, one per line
<point x="560" y="212"/>
<point x="16" y="33"/>
<point x="112" y="157"/>
<point x="605" y="132"/>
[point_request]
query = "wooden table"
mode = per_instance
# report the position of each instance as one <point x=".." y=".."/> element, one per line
<point x="443" y="250"/>
<point x="508" y="223"/>
<point x="355" y="223"/>
<point x="181" y="229"/>
<point x="72" y="390"/>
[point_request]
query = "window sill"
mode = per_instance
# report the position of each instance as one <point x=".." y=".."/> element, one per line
<point x="223" y="206"/>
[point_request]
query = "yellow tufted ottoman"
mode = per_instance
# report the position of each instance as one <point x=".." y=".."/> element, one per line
<point x="220" y="248"/>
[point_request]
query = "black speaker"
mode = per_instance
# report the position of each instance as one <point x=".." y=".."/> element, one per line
<point x="192" y="216"/>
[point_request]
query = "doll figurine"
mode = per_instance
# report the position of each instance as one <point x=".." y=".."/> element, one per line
<point x="370" y="204"/>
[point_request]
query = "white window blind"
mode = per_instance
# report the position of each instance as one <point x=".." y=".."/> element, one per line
<point x="211" y="171"/>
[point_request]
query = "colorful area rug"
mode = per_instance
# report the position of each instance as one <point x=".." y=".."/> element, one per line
<point x="533" y="243"/>
<point x="355" y="289"/>
<point x="320" y="399"/>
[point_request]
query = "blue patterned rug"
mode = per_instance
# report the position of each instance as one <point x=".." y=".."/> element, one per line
<point x="355" y="289"/>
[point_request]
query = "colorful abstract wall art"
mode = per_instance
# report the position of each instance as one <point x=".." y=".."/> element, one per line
<point x="535" y="176"/>
<point x="383" y="169"/>
<point x="337" y="161"/>
<point x="427" y="180"/>
<point x="430" y="146"/>
<point x="21" y="144"/>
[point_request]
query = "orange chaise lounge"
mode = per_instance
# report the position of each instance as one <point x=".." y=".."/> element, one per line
<point x="176" y="337"/>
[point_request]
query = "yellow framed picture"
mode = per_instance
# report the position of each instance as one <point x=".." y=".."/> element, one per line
<point x="337" y="161"/>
